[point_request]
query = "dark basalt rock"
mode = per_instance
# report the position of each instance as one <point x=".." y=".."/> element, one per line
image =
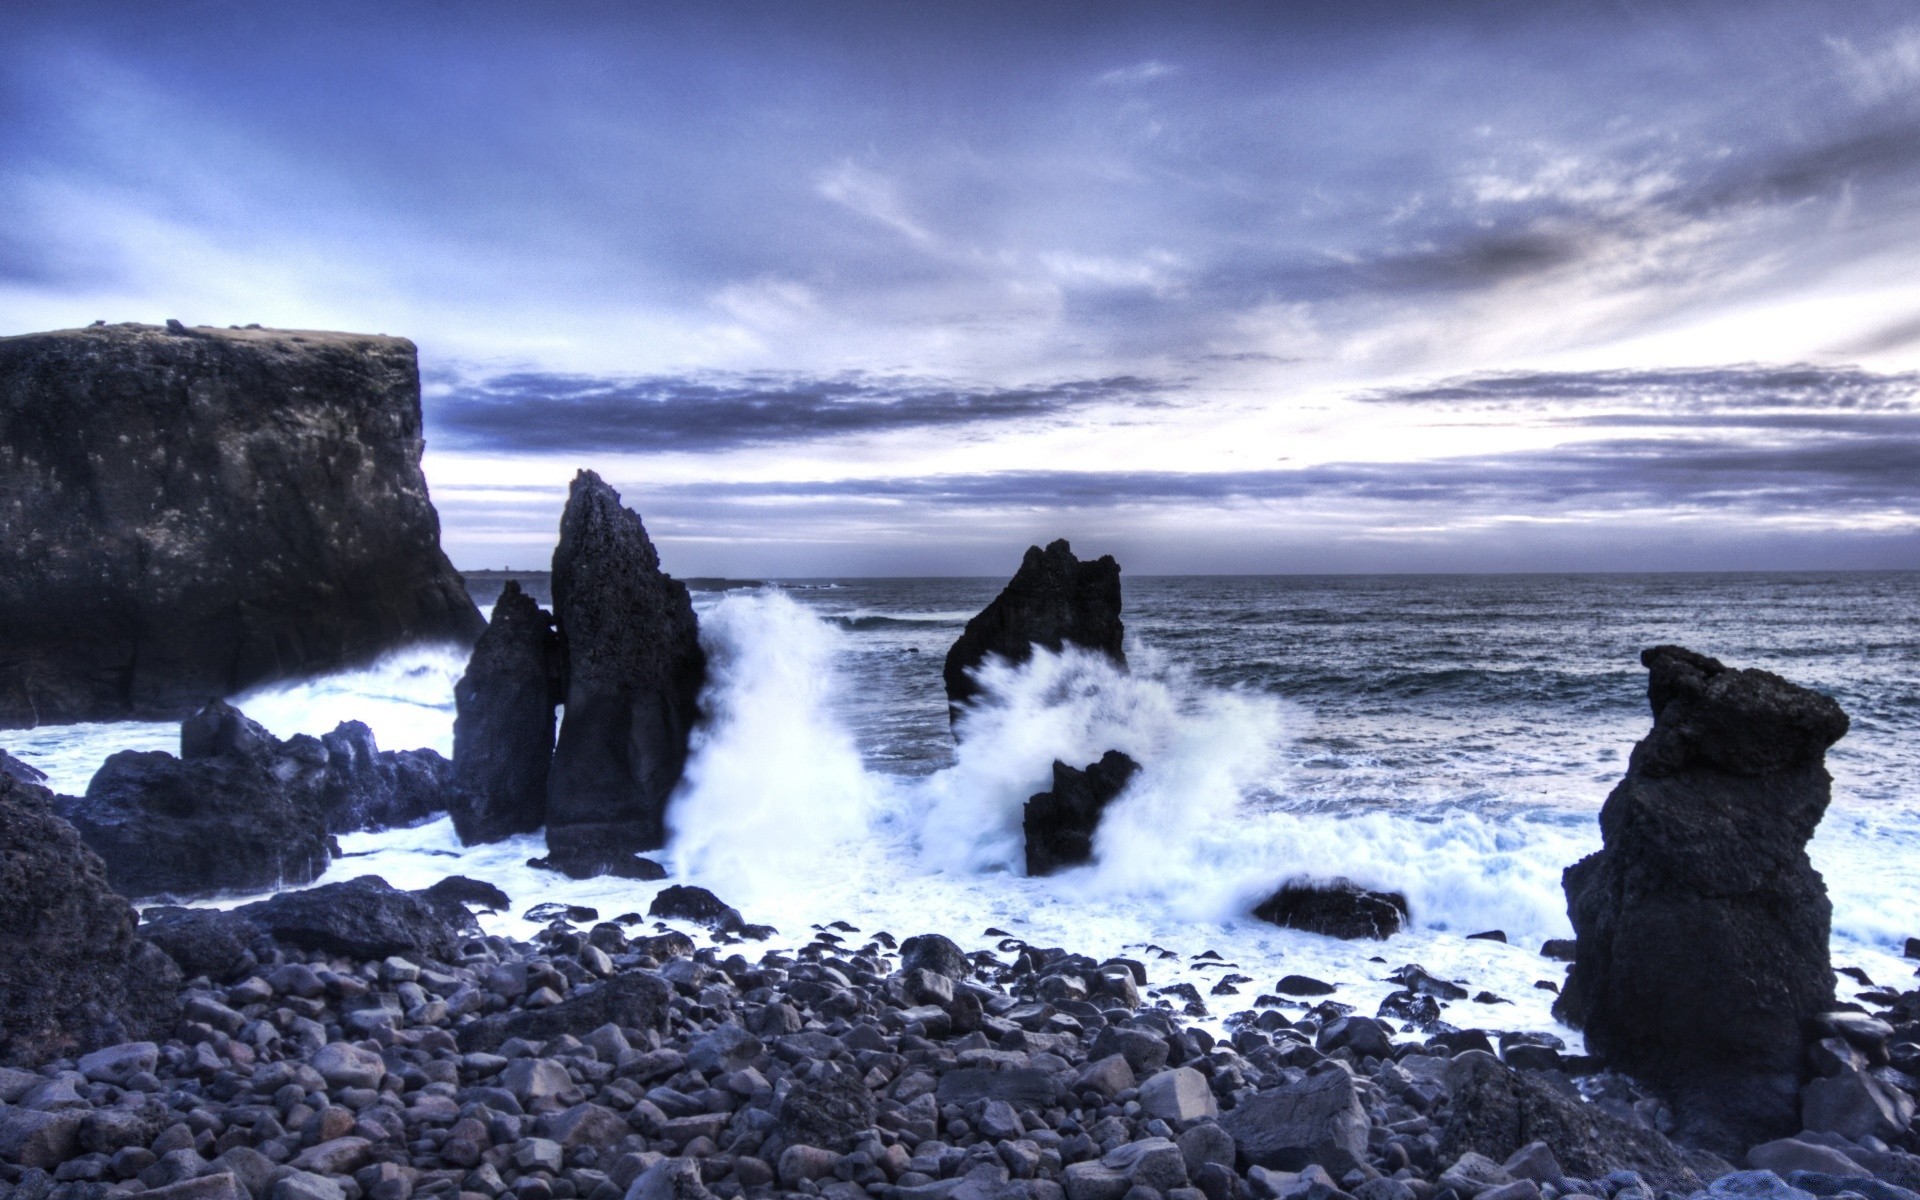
<point x="238" y="812"/>
<point x="369" y="788"/>
<point x="24" y="772"/>
<point x="503" y="723"/>
<point x="461" y="890"/>
<point x="1496" y="1110"/>
<point x="73" y="974"/>
<point x="1701" y="927"/>
<point x="625" y="866"/>
<point x="634" y="672"/>
<point x="361" y="918"/>
<point x="1059" y="824"/>
<point x="1053" y="599"/>
<point x="188" y="513"/>
<point x="695" y="904"/>
<point x="204" y="941"/>
<point x="934" y="952"/>
<point x="636" y="1000"/>
<point x="829" y="1111"/>
<point x="1341" y="909"/>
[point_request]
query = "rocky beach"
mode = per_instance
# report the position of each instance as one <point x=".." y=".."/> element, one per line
<point x="204" y="997"/>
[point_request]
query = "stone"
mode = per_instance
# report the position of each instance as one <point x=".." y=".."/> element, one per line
<point x="203" y="941"/>
<point x="531" y="1079"/>
<point x="1059" y="824"/>
<point x="1109" y="1076"/>
<point x="237" y="811"/>
<point x="118" y="1064"/>
<point x="1095" y="1181"/>
<point x="361" y="918"/>
<point x="1756" y="1185"/>
<point x="634" y="669"/>
<point x="696" y="904"/>
<point x="592" y="1125"/>
<point x="458" y="889"/>
<point x="937" y="953"/>
<point x="1317" y="1120"/>
<point x="366" y="787"/>
<point x="1363" y="1036"/>
<point x="1206" y="1143"/>
<point x="1859" y="1184"/>
<point x="1339" y="908"/>
<point x="1855" y="1104"/>
<point x="1145" y="1052"/>
<point x="670" y="1179"/>
<point x="631" y="1000"/>
<point x="1178" y="1096"/>
<point x="1472" y="1174"/>
<point x="1053" y="600"/>
<point x="1303" y="985"/>
<point x="39" y="1139"/>
<point x="73" y="971"/>
<point x="828" y="1111"/>
<point x="344" y="1065"/>
<point x="1703" y="877"/>
<point x="1786" y="1155"/>
<point x="800" y="1162"/>
<point x="503" y="726"/>
<point x="24" y="772"/>
<point x="305" y="1185"/>
<point x="1534" y="1161"/>
<point x="1153" y="1162"/>
<point x="339" y="1156"/>
<point x="1497" y="1112"/>
<point x="193" y="512"/>
<point x="1026" y="1087"/>
<point x="220" y="1185"/>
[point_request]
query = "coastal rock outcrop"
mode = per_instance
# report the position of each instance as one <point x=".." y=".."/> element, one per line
<point x="634" y="672"/>
<point x="503" y="723"/>
<point x="361" y="918"/>
<point x="185" y="513"/>
<point x="1340" y="908"/>
<point x="1701" y="926"/>
<point x="73" y="974"/>
<point x="1053" y="599"/>
<point x="1059" y="824"/>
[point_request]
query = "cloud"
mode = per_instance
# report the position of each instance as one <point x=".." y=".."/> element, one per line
<point x="1701" y="390"/>
<point x="537" y="412"/>
<point x="1141" y="72"/>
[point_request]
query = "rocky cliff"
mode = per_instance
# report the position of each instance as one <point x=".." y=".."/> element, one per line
<point x="187" y="512"/>
<point x="1053" y="599"/>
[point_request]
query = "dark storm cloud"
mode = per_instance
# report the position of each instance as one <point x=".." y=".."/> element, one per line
<point x="549" y="412"/>
<point x="1701" y="389"/>
<point x="1833" y="474"/>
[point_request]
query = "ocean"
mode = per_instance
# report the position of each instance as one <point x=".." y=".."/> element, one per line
<point x="1448" y="737"/>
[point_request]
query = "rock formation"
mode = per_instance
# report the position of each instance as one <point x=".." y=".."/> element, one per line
<point x="503" y="727"/>
<point x="1341" y="909"/>
<point x="363" y="918"/>
<point x="634" y="672"/>
<point x="1701" y="927"/>
<point x="73" y="975"/>
<point x="1059" y="824"/>
<point x="241" y="810"/>
<point x="1053" y="599"/>
<point x="186" y="513"/>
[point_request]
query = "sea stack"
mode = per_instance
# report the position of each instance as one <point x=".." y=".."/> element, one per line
<point x="1701" y="925"/>
<point x="1059" y="824"/>
<point x="73" y="974"/>
<point x="503" y="723"/>
<point x="1053" y="599"/>
<point x="185" y="513"/>
<point x="634" y="672"/>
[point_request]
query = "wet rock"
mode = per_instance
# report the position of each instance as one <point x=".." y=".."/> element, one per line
<point x="74" y="974"/>
<point x="1059" y="824"/>
<point x="634" y="1000"/>
<point x="1053" y="599"/>
<point x="459" y="889"/>
<point x="1317" y="1120"/>
<point x="1340" y="908"/>
<point x="695" y="904"/>
<point x="634" y="669"/>
<point x="1703" y="878"/>
<point x="233" y="507"/>
<point x="503" y="723"/>
<point x="1303" y="985"/>
<point x="362" y="918"/>
<point x="366" y="787"/>
<point x="203" y="941"/>
<point x="24" y="772"/>
<point x="937" y="953"/>
<point x="237" y="811"/>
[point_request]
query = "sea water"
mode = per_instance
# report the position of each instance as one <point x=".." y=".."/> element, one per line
<point x="1450" y="738"/>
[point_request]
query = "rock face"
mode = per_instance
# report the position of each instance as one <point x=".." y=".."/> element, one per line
<point x="1341" y="909"/>
<point x="1701" y="926"/>
<point x="370" y="788"/>
<point x="1059" y="824"/>
<point x="1053" y="599"/>
<point x="503" y="723"/>
<point x="634" y="672"/>
<point x="73" y="975"/>
<point x="186" y="513"/>
<point x="235" y="812"/>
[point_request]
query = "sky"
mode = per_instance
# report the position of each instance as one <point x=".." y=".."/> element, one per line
<point x="897" y="289"/>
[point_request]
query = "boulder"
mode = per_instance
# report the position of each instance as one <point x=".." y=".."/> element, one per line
<point x="187" y="513"/>
<point x="361" y="919"/>
<point x="503" y="722"/>
<point x="634" y="670"/>
<point x="24" y="772"/>
<point x="1498" y="1112"/>
<point x="1702" y="879"/>
<point x="829" y="1109"/>
<point x="459" y="889"/>
<point x="74" y="975"/>
<point x="204" y="941"/>
<point x="1178" y="1096"/>
<point x="366" y="787"/>
<point x="935" y="952"/>
<point x="696" y="904"/>
<point x="1317" y="1120"/>
<point x="631" y="1000"/>
<point x="1340" y="908"/>
<point x="1059" y="824"/>
<point x="1053" y="599"/>
<point x="238" y="811"/>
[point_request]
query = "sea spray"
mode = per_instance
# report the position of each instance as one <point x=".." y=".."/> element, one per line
<point x="405" y="697"/>
<point x="774" y="782"/>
